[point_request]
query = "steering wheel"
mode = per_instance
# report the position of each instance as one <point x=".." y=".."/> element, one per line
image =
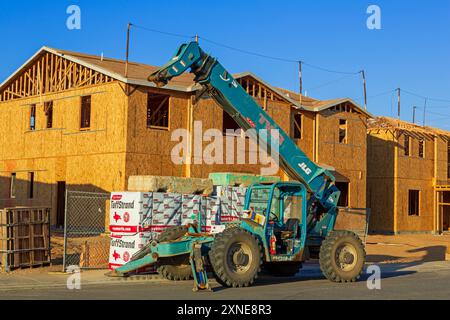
<point x="273" y="215"/>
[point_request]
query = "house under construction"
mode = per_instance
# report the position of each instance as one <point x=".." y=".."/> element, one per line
<point x="408" y="177"/>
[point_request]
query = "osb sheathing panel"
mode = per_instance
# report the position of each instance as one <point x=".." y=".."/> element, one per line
<point x="423" y="222"/>
<point x="380" y="182"/>
<point x="65" y="138"/>
<point x="93" y="160"/>
<point x="442" y="161"/>
<point x="413" y="173"/>
<point x="348" y="159"/>
<point x="143" y="140"/>
<point x="416" y="168"/>
<point x="380" y="199"/>
<point x="349" y="156"/>
<point x="380" y="156"/>
<point x="141" y="164"/>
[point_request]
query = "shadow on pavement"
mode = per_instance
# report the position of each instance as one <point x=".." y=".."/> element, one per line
<point x="396" y="268"/>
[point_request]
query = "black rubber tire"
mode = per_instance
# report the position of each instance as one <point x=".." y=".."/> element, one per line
<point x="283" y="269"/>
<point x="218" y="255"/>
<point x="328" y="252"/>
<point x="174" y="268"/>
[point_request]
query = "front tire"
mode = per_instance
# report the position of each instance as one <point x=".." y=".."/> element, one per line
<point x="236" y="258"/>
<point x="342" y="256"/>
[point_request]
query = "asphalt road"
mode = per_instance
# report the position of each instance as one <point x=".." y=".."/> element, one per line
<point x="398" y="282"/>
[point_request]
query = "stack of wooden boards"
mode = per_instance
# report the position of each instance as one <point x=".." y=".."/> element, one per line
<point x="24" y="238"/>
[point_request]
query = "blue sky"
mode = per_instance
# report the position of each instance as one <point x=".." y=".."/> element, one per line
<point x="411" y="51"/>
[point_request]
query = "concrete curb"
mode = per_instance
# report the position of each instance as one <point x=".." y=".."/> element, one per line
<point x="106" y="280"/>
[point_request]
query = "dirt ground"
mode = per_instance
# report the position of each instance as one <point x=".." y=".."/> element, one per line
<point x="407" y="248"/>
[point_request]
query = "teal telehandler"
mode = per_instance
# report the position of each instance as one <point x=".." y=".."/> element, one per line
<point x="283" y="224"/>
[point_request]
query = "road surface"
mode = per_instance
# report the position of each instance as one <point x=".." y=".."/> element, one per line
<point x="422" y="281"/>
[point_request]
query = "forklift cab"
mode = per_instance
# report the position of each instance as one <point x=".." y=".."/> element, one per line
<point x="281" y="210"/>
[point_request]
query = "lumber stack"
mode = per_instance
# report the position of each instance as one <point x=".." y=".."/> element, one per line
<point x="24" y="238"/>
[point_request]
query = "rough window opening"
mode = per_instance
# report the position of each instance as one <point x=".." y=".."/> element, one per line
<point x="414" y="202"/>
<point x="85" y="112"/>
<point x="298" y="126"/>
<point x="158" y="110"/>
<point x="421" y="148"/>
<point x="33" y="117"/>
<point x="48" y="109"/>
<point x="31" y="185"/>
<point x="12" y="186"/>
<point x="407" y="146"/>
<point x="230" y="126"/>
<point x="344" y="188"/>
<point x="343" y="131"/>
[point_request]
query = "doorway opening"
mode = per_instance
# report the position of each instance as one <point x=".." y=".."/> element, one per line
<point x="61" y="204"/>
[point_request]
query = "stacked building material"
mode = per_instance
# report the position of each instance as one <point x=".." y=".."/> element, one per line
<point x="232" y="201"/>
<point x="240" y="179"/>
<point x="191" y="207"/>
<point x="170" y="184"/>
<point x="211" y="208"/>
<point x="166" y="212"/>
<point x="136" y="218"/>
<point x="24" y="238"/>
<point x="130" y="225"/>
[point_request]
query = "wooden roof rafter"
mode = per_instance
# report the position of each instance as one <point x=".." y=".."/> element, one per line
<point x="406" y="128"/>
<point x="49" y="73"/>
<point x="258" y="90"/>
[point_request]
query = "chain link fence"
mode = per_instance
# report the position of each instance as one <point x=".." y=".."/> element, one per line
<point x="86" y="244"/>
<point x="354" y="219"/>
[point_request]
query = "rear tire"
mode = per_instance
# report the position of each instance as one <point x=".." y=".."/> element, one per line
<point x="283" y="269"/>
<point x="342" y="257"/>
<point x="236" y="258"/>
<point x="176" y="268"/>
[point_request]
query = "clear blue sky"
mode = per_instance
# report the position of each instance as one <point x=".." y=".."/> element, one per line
<point x="412" y="50"/>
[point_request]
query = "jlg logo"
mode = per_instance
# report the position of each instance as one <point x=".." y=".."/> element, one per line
<point x="305" y="168"/>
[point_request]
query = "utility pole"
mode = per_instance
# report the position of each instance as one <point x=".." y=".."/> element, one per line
<point x="414" y="114"/>
<point x="196" y="38"/>
<point x="300" y="77"/>
<point x="363" y="73"/>
<point x="128" y="49"/>
<point x="399" y="103"/>
<point x="424" y="111"/>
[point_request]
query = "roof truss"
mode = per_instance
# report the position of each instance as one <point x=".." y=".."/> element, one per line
<point x="50" y="73"/>
<point x="259" y="91"/>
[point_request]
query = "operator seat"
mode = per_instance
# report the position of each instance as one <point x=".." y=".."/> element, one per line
<point x="290" y="229"/>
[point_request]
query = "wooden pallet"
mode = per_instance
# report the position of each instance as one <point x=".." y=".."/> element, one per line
<point x="24" y="238"/>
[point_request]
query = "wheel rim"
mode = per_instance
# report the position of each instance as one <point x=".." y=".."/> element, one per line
<point x="346" y="257"/>
<point x="239" y="258"/>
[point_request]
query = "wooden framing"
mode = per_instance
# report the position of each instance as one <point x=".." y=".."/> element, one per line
<point x="258" y="91"/>
<point x="50" y="73"/>
<point x="345" y="107"/>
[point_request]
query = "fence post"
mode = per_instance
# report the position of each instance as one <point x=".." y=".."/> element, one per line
<point x="65" y="232"/>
